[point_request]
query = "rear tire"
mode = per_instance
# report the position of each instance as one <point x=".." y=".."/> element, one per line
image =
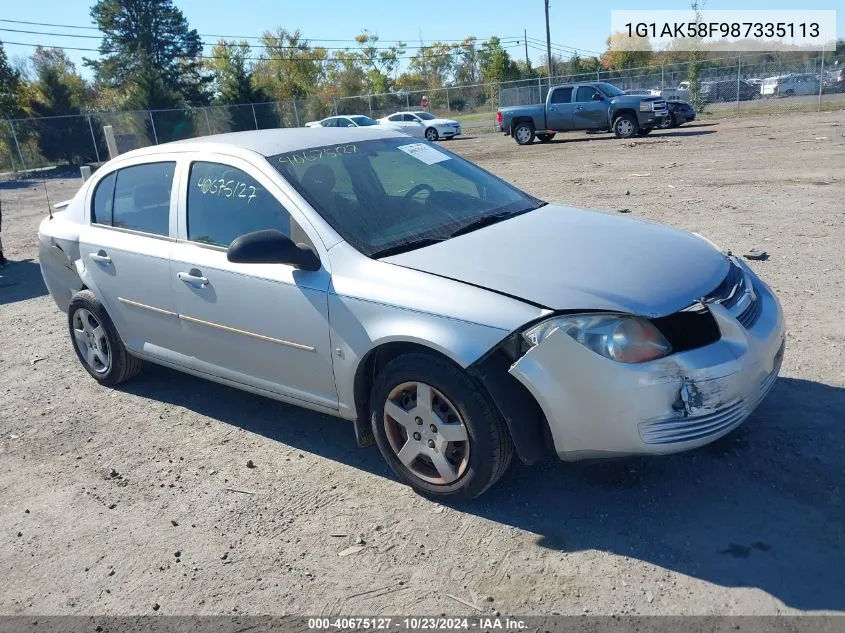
<point x="523" y="133"/>
<point x="626" y="126"/>
<point x="437" y="429"/>
<point x="96" y="342"/>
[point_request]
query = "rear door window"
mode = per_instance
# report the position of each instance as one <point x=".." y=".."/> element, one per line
<point x="136" y="198"/>
<point x="103" y="207"/>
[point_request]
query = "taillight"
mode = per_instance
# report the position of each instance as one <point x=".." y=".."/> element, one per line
<point x="498" y="117"/>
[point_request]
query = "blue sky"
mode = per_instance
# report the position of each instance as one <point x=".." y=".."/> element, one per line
<point x="581" y="25"/>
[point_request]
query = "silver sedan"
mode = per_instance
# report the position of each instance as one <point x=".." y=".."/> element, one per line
<point x="453" y="318"/>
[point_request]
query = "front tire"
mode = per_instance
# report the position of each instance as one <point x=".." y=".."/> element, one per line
<point x="437" y="429"/>
<point x="96" y="342"/>
<point x="626" y="126"/>
<point x="523" y="133"/>
<point x="431" y="134"/>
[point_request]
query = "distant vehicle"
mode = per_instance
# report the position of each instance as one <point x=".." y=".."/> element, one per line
<point x="755" y="81"/>
<point x="423" y="124"/>
<point x="684" y="85"/>
<point x="727" y="90"/>
<point x="790" y="85"/>
<point x="349" y="120"/>
<point x="583" y="106"/>
<point x="680" y="112"/>
<point x="834" y="81"/>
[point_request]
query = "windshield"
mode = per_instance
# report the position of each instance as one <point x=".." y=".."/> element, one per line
<point x="609" y="89"/>
<point x="363" y="121"/>
<point x="389" y="195"/>
<point x="425" y="116"/>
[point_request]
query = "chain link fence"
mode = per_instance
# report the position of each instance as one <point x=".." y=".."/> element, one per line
<point x="747" y="84"/>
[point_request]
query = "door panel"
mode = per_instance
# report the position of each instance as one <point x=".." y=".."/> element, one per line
<point x="559" y="109"/>
<point x="126" y="251"/>
<point x="589" y="114"/>
<point x="132" y="274"/>
<point x="264" y="325"/>
<point x="260" y="324"/>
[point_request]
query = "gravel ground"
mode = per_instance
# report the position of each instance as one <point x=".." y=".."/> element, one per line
<point x="139" y="499"/>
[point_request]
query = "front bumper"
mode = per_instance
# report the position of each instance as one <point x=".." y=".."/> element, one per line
<point x="449" y="132"/>
<point x="597" y="407"/>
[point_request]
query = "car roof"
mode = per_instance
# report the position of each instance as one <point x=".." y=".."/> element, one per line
<point x="269" y="142"/>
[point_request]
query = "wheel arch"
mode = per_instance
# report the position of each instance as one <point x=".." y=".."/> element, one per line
<point x="618" y="113"/>
<point x="521" y="119"/>
<point x="526" y="424"/>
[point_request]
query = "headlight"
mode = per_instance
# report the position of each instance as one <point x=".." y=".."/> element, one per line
<point x="646" y="106"/>
<point x="625" y="339"/>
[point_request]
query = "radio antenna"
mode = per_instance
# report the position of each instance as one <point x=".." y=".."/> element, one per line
<point x="47" y="195"/>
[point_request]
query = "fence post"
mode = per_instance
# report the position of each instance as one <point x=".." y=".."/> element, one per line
<point x="821" y="81"/>
<point x="407" y="100"/>
<point x="448" y="107"/>
<point x="155" y="136"/>
<point x="370" y="104"/>
<point x="17" y="145"/>
<point x="93" y="139"/>
<point x="738" y="71"/>
<point x="295" y="112"/>
<point x="334" y="105"/>
<point x="207" y="124"/>
<point x="254" y="118"/>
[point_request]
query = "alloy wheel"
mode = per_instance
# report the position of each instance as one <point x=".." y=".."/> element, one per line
<point x="426" y="433"/>
<point x="91" y="341"/>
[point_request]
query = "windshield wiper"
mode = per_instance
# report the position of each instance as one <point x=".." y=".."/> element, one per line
<point x="406" y="246"/>
<point x="487" y="220"/>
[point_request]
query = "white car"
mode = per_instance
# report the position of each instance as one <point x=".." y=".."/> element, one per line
<point x="790" y="85"/>
<point x="452" y="318"/>
<point x="351" y="120"/>
<point x="423" y="125"/>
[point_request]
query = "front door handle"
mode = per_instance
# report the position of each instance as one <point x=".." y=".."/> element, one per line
<point x="580" y="108"/>
<point x="193" y="277"/>
<point x="100" y="257"/>
<point x="552" y="109"/>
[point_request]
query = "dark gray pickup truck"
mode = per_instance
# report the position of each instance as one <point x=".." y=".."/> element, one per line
<point x="594" y="106"/>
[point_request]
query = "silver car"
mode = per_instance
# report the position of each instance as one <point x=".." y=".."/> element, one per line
<point x="454" y="319"/>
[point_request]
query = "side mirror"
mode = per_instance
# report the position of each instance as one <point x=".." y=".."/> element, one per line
<point x="597" y="97"/>
<point x="271" y="246"/>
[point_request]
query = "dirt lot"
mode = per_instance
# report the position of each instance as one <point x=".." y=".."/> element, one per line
<point x="114" y="501"/>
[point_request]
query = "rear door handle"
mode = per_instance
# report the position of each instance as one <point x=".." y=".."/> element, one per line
<point x="193" y="277"/>
<point x="100" y="257"/>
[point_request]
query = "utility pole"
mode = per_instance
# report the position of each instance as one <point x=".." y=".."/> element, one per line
<point x="549" y="44"/>
<point x="525" y="40"/>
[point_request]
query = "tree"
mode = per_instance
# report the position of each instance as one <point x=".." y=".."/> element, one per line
<point x="624" y="52"/>
<point x="67" y="137"/>
<point x="466" y="62"/>
<point x="379" y="63"/>
<point x="232" y="71"/>
<point x="494" y="62"/>
<point x="435" y="63"/>
<point x="289" y="68"/>
<point x="149" y="39"/>
<point x="10" y="88"/>
<point x="56" y="59"/>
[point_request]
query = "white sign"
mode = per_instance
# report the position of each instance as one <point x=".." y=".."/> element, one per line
<point x="424" y="153"/>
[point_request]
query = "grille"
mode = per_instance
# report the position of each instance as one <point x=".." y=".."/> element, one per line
<point x="729" y="293"/>
<point x="660" y="106"/>
<point x="675" y="430"/>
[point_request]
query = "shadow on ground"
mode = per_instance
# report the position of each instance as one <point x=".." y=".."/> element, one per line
<point x="761" y="508"/>
<point x="21" y="280"/>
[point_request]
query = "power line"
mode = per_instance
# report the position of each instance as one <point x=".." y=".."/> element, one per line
<point x="561" y="47"/>
<point x="260" y="58"/>
<point x="216" y="35"/>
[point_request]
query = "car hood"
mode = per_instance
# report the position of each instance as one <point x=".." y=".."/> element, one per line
<point x="572" y="259"/>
